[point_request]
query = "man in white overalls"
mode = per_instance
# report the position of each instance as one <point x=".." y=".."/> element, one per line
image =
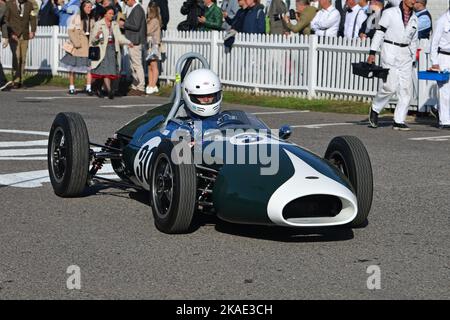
<point x="440" y="57"/>
<point x="398" y="37"/>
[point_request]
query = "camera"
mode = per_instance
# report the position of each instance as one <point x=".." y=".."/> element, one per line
<point x="192" y="5"/>
<point x="192" y="9"/>
<point x="189" y="3"/>
<point x="291" y="12"/>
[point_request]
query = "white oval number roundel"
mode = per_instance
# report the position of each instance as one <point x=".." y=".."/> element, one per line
<point x="142" y="162"/>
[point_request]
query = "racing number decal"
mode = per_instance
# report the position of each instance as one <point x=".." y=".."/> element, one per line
<point x="142" y="162"/>
<point x="248" y="138"/>
<point x="144" y="157"/>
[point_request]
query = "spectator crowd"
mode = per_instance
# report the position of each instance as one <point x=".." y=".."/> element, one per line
<point x="102" y="31"/>
<point x="345" y="18"/>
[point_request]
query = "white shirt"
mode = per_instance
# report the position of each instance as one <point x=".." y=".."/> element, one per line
<point x="20" y="7"/>
<point x="326" y="22"/>
<point x="441" y="37"/>
<point x="354" y="21"/>
<point x="129" y="9"/>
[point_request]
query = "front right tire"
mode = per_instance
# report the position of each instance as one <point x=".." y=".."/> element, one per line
<point x="68" y="155"/>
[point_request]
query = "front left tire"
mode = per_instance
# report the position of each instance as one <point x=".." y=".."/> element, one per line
<point x="348" y="154"/>
<point x="173" y="190"/>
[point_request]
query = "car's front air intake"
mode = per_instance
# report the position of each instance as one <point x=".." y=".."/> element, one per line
<point x="313" y="206"/>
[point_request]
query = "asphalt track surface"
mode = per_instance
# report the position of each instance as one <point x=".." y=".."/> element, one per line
<point x="111" y="236"/>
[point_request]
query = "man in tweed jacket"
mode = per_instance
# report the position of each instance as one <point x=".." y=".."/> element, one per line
<point x="4" y="84"/>
<point x="20" y="18"/>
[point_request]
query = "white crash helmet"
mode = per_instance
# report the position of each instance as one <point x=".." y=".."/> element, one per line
<point x="200" y="83"/>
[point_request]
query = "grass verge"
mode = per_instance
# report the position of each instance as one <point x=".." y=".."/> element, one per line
<point x="319" y="105"/>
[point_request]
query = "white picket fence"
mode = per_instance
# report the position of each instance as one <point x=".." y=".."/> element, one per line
<point x="302" y="66"/>
<point x="44" y="52"/>
<point x="284" y="65"/>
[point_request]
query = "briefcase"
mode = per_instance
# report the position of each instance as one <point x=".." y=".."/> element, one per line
<point x="370" y="71"/>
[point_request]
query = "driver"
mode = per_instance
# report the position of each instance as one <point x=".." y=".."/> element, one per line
<point x="207" y="99"/>
<point x="202" y="94"/>
<point x="201" y="112"/>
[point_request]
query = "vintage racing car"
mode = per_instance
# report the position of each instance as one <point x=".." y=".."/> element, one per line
<point x="292" y="187"/>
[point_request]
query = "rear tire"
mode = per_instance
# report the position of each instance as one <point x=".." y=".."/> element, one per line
<point x="350" y="156"/>
<point x="173" y="190"/>
<point x="68" y="155"/>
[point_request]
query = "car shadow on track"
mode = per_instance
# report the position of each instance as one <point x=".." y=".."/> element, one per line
<point x="271" y="233"/>
<point x="108" y="189"/>
<point x="274" y="233"/>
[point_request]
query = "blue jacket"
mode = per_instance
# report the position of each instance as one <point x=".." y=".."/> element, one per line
<point x="425" y="24"/>
<point x="237" y="22"/>
<point x="255" y="20"/>
<point x="67" y="11"/>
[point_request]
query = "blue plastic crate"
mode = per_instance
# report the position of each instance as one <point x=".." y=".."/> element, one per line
<point x="435" y="76"/>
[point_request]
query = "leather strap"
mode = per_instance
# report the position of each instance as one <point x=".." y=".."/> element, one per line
<point x="401" y="45"/>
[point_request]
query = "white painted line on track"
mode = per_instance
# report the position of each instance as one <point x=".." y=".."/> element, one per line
<point x="9" y="151"/>
<point x="35" y="179"/>
<point x="22" y="152"/>
<point x="8" y="144"/>
<point x="280" y="112"/>
<point x="322" y="125"/>
<point x="438" y="138"/>
<point x="23" y="158"/>
<point x="28" y="179"/>
<point x="40" y="90"/>
<point x="60" y="97"/>
<point x="36" y="133"/>
<point x="125" y="106"/>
